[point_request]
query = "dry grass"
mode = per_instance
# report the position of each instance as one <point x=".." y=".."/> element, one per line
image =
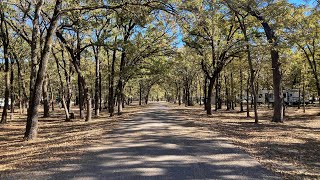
<point x="57" y="140"/>
<point x="291" y="149"/>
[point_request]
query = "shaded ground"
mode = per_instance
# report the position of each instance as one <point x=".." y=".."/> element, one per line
<point x="291" y="149"/>
<point x="57" y="140"/>
<point x="156" y="144"/>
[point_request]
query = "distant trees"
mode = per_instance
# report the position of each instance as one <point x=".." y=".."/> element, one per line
<point x="111" y="32"/>
<point x="104" y="54"/>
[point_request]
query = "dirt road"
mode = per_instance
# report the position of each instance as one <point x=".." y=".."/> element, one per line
<point x="156" y="144"/>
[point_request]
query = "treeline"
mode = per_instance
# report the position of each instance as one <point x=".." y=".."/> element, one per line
<point x="81" y="52"/>
<point x="105" y="54"/>
<point x="234" y="50"/>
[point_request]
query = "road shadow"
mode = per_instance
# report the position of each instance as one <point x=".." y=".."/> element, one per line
<point x="157" y="144"/>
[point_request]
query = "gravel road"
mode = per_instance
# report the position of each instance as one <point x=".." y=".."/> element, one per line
<point x="157" y="144"/>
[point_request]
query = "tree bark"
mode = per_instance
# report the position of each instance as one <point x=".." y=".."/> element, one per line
<point x="12" y="94"/>
<point x="89" y="105"/>
<point x="46" y="102"/>
<point x="205" y="92"/>
<point x="62" y="90"/>
<point x="277" y="77"/>
<point x="32" y="119"/>
<point x="252" y="72"/>
<point x="210" y="89"/>
<point x="241" y="90"/>
<point x="5" y="44"/>
<point x="97" y="82"/>
<point x="140" y="93"/>
<point x="111" y="83"/>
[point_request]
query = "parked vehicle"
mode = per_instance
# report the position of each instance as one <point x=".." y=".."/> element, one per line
<point x="2" y="102"/>
<point x="290" y="97"/>
<point x="294" y="97"/>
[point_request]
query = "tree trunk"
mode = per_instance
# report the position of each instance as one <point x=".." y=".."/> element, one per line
<point x="12" y="95"/>
<point x="140" y="94"/>
<point x="232" y="91"/>
<point x="277" y="114"/>
<point x="65" y="106"/>
<point x="179" y="101"/>
<point x="46" y="102"/>
<point x="35" y="96"/>
<point x="100" y="92"/>
<point x="252" y="74"/>
<point x="205" y="92"/>
<point x="210" y="89"/>
<point x="252" y="71"/>
<point x="247" y="99"/>
<point x="34" y="46"/>
<point x="299" y="102"/>
<point x="111" y="87"/>
<point x="217" y="94"/>
<point x="303" y="96"/>
<point x="200" y="98"/>
<point x="227" y="93"/>
<point x="89" y="106"/>
<point x="241" y="90"/>
<point x="119" y="96"/>
<point x="97" y="83"/>
<point x="276" y="71"/>
<point x="5" y="44"/>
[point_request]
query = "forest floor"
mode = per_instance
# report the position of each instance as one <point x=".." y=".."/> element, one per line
<point x="57" y="140"/>
<point x="291" y="148"/>
<point x="155" y="143"/>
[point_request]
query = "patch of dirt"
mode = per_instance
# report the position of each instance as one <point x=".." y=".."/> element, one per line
<point x="291" y="149"/>
<point x="57" y="139"/>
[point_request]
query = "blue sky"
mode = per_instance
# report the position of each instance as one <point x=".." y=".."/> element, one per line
<point x="299" y="2"/>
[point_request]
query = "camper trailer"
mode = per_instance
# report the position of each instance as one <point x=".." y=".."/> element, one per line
<point x="294" y="97"/>
<point x="2" y="102"/>
<point x="290" y="97"/>
<point x="265" y="96"/>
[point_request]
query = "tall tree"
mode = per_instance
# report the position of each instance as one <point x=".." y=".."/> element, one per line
<point x="5" y="44"/>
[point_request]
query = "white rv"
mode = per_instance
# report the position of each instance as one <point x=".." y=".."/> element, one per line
<point x="2" y="102"/>
<point x="291" y="97"/>
<point x="265" y="96"/>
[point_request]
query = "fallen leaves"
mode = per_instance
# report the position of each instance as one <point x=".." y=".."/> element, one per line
<point x="290" y="148"/>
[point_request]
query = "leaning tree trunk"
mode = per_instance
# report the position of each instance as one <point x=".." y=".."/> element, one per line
<point x="32" y="119"/>
<point x="62" y="89"/>
<point x="276" y="71"/>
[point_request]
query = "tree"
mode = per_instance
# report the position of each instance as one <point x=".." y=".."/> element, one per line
<point x="212" y="34"/>
<point x="5" y="44"/>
